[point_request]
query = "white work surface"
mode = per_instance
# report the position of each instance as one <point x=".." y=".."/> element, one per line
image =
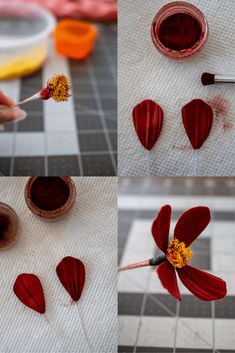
<point x="88" y="232"/>
<point x="145" y="73"/>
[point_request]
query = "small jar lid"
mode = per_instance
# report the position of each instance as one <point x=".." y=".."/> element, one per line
<point x="50" y="197"/>
<point x="75" y="38"/>
<point x="8" y="226"/>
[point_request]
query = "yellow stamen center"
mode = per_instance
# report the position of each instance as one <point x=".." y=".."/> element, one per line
<point x="177" y="253"/>
<point x="59" y="88"/>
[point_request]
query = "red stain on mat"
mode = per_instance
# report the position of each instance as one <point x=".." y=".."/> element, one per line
<point x="148" y="120"/>
<point x="197" y="119"/>
<point x="221" y="107"/>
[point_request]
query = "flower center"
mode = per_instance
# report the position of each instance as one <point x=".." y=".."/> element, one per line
<point x="59" y="87"/>
<point x="177" y="253"/>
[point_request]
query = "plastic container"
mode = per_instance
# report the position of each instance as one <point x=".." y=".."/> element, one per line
<point x="24" y="32"/>
<point x="75" y="38"/>
<point x="179" y="7"/>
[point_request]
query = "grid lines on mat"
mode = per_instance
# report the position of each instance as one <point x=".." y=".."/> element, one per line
<point x="148" y="320"/>
<point x="73" y="138"/>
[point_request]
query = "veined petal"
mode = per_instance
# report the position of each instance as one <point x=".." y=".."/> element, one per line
<point x="167" y="276"/>
<point x="197" y="119"/>
<point x="148" y="120"/>
<point x="29" y="291"/>
<point x="71" y="273"/>
<point x="202" y="284"/>
<point x="161" y="227"/>
<point x="191" y="224"/>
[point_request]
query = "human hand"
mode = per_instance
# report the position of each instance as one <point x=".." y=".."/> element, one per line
<point x="9" y="113"/>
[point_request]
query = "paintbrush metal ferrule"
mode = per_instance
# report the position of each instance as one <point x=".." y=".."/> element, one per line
<point x="224" y="78"/>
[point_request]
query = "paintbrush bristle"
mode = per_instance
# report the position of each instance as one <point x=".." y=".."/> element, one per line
<point x="207" y="79"/>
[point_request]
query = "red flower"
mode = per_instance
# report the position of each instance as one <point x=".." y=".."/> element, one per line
<point x="189" y="226"/>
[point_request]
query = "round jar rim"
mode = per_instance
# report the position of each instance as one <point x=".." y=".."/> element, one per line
<point x="179" y="7"/>
<point x="54" y="213"/>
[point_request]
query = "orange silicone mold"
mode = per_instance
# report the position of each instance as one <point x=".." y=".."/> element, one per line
<point x="75" y="38"/>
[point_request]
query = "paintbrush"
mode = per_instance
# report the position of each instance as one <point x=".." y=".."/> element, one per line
<point x="151" y="262"/>
<point x="211" y="79"/>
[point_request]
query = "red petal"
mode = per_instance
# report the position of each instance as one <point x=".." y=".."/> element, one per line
<point x="202" y="284"/>
<point x="191" y="223"/>
<point x="148" y="119"/>
<point x="161" y="227"/>
<point x="71" y="273"/>
<point x="28" y="289"/>
<point x="197" y="119"/>
<point x="167" y="276"/>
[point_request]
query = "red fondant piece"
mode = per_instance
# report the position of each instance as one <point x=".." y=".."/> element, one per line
<point x="28" y="289"/>
<point x="148" y="119"/>
<point x="71" y="273"/>
<point x="199" y="217"/>
<point x="167" y="276"/>
<point x="161" y="228"/>
<point x="197" y="119"/>
<point x="202" y="284"/>
<point x="45" y="94"/>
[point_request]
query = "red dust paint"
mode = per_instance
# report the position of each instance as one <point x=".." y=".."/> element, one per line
<point x="179" y="31"/>
<point x="50" y="197"/>
<point x="49" y="193"/>
<point x="4" y="226"/>
<point x="148" y="120"/>
<point x="221" y="107"/>
<point x="8" y="226"/>
<point x="197" y="119"/>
